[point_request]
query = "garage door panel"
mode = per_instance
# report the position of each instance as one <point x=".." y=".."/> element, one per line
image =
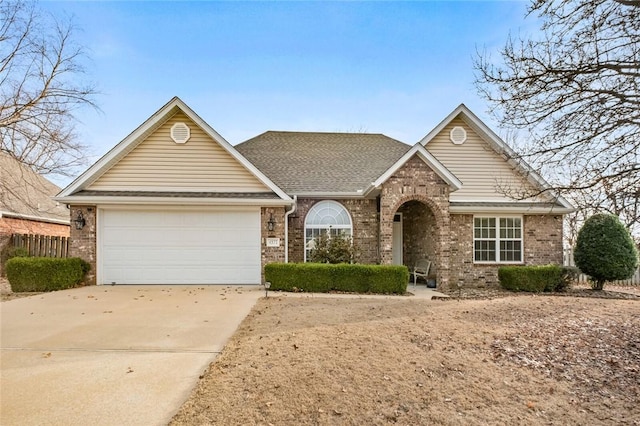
<point x="175" y="275"/>
<point x="180" y="247"/>
<point x="188" y="257"/>
<point x="153" y="236"/>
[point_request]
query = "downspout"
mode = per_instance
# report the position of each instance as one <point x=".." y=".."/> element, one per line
<point x="286" y="228"/>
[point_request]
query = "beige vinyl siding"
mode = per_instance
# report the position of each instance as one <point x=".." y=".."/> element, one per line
<point x="481" y="170"/>
<point x="159" y="164"/>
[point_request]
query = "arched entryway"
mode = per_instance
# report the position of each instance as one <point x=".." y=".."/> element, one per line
<point x="415" y="228"/>
<point x="415" y="235"/>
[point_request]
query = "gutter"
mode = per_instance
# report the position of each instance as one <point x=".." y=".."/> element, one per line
<point x="34" y="218"/>
<point x="181" y="201"/>
<point x="286" y="228"/>
<point x="510" y="209"/>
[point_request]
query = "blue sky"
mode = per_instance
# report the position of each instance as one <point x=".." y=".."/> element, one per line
<point x="396" y="68"/>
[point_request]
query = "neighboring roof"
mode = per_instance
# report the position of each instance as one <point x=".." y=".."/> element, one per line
<point x="28" y="195"/>
<point x="147" y="128"/>
<point x="307" y="163"/>
<point x="499" y="146"/>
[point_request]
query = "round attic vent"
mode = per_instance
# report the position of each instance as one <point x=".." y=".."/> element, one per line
<point x="180" y="133"/>
<point x="458" y="135"/>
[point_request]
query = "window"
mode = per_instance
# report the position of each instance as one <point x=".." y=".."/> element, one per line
<point x="326" y="217"/>
<point x="497" y="239"/>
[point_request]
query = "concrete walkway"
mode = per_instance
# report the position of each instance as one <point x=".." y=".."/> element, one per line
<point x="124" y="355"/>
<point x="417" y="292"/>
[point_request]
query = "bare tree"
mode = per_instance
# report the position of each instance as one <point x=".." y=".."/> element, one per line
<point x="576" y="89"/>
<point x="41" y="88"/>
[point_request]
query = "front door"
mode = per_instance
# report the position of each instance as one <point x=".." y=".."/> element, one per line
<point x="397" y="239"/>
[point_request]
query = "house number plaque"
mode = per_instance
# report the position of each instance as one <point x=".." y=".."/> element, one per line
<point x="273" y="242"/>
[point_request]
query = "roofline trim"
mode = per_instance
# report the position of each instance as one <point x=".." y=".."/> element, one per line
<point x="128" y="143"/>
<point x="508" y="210"/>
<point x="191" y="201"/>
<point x="498" y="145"/>
<point x="34" y="218"/>
<point x="428" y="158"/>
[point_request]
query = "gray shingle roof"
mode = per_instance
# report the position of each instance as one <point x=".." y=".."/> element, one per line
<point x="307" y="162"/>
<point x="26" y="193"/>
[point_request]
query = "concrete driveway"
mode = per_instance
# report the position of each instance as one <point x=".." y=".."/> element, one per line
<point x="123" y="355"/>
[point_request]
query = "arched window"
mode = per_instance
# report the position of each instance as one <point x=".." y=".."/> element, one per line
<point x="326" y="217"/>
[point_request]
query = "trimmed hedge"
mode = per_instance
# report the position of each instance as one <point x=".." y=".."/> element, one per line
<point x="45" y="273"/>
<point x="536" y="278"/>
<point x="323" y="278"/>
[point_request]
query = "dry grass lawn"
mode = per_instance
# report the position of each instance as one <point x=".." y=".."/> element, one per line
<point x="514" y="360"/>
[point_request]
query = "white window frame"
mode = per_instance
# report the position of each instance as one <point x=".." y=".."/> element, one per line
<point x="497" y="239"/>
<point x="344" y="229"/>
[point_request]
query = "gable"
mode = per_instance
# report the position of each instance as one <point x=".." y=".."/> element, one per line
<point x="481" y="169"/>
<point x="422" y="156"/>
<point x="157" y="163"/>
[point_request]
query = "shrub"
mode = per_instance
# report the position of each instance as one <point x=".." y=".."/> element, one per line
<point x="605" y="251"/>
<point x="570" y="275"/>
<point x="322" y="278"/>
<point x="536" y="278"/>
<point x="337" y="249"/>
<point x="9" y="252"/>
<point x="45" y="273"/>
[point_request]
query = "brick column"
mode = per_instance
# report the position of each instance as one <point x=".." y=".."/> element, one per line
<point x="82" y="242"/>
<point x="271" y="254"/>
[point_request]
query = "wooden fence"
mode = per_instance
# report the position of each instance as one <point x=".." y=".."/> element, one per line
<point x="42" y="245"/>
<point x="568" y="261"/>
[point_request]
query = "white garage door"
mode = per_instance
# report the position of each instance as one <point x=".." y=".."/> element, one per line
<point x="213" y="246"/>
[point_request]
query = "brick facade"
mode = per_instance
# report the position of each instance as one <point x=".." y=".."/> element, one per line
<point x="542" y="245"/>
<point x="543" y="239"/>
<point x="271" y="254"/>
<point x="429" y="230"/>
<point x="83" y="241"/>
<point x="417" y="182"/>
<point x="364" y="218"/>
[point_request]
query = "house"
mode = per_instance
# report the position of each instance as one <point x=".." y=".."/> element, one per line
<point x="175" y="203"/>
<point x="26" y="203"/>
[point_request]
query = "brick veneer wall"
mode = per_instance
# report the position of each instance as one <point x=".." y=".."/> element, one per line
<point x="83" y="241"/>
<point x="416" y="181"/>
<point x="542" y="245"/>
<point x="543" y="236"/>
<point x="364" y="218"/>
<point x="9" y="225"/>
<point x="271" y="254"/>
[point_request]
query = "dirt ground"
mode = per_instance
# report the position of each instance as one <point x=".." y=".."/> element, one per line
<point x="7" y="294"/>
<point x="525" y="359"/>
